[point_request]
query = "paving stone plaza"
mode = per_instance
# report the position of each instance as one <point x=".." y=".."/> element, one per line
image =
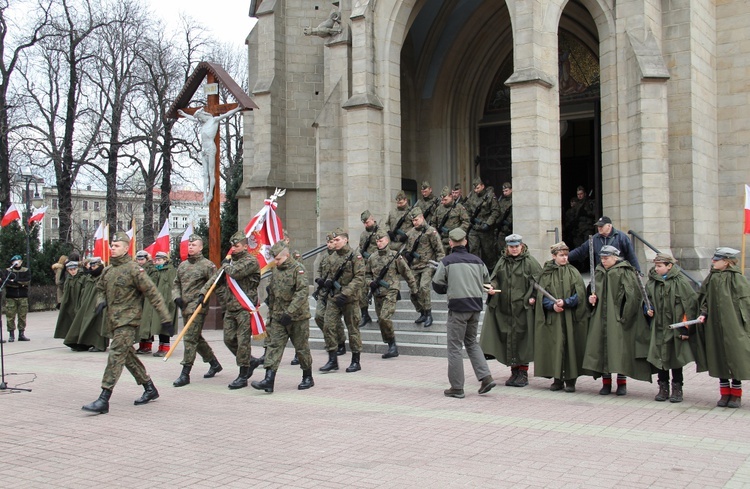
<point x="386" y="426"/>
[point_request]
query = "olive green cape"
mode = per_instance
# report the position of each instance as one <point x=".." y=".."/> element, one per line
<point x="87" y="329"/>
<point x="69" y="304"/>
<point x="150" y="321"/>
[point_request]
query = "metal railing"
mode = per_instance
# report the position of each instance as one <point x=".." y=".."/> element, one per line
<point x="680" y="269"/>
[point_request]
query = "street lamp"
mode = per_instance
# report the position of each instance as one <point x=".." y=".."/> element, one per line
<point x="28" y="177"/>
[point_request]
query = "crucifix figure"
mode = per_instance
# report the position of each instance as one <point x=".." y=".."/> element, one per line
<point x="209" y="127"/>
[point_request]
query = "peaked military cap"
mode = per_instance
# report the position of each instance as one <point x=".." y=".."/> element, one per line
<point x="513" y="240"/>
<point x="122" y="237"/>
<point x="195" y="237"/>
<point x="400" y="195"/>
<point x="143" y="254"/>
<point x="365" y="216"/>
<point x="426" y="184"/>
<point x="380" y="234"/>
<point x="725" y="253"/>
<point x="415" y="213"/>
<point x="446" y="192"/>
<point x="95" y="260"/>
<point x="277" y="248"/>
<point x="457" y="235"/>
<point x="558" y="247"/>
<point x="162" y="255"/>
<point x="339" y="232"/>
<point x="71" y="264"/>
<point x="237" y="237"/>
<point x="664" y="258"/>
<point x="608" y="250"/>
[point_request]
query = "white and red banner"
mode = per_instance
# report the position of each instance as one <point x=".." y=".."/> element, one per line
<point x="101" y="243"/>
<point x="162" y="241"/>
<point x="264" y="230"/>
<point x="184" y="242"/>
<point x="257" y="326"/>
<point x="37" y="214"/>
<point x="10" y="215"/>
<point x="747" y="209"/>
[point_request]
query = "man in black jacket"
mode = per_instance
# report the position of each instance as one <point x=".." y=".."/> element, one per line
<point x="607" y="235"/>
<point x="16" y="297"/>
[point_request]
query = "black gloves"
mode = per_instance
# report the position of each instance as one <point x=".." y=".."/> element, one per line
<point x="373" y="286"/>
<point x="483" y="227"/>
<point x="320" y="281"/>
<point x="201" y="298"/>
<point x="179" y="303"/>
<point x="340" y="300"/>
<point x="100" y="307"/>
<point x="285" y="320"/>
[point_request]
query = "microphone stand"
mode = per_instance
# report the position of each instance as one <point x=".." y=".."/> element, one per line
<point x="3" y="384"/>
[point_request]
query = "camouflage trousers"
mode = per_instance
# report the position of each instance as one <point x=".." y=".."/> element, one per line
<point x="122" y="354"/>
<point x="15" y="307"/>
<point x="195" y="343"/>
<point x="320" y="314"/>
<point x="352" y="316"/>
<point x="421" y="300"/>
<point x="278" y="335"/>
<point x="237" y="335"/>
<point x="385" y="306"/>
<point x="483" y="245"/>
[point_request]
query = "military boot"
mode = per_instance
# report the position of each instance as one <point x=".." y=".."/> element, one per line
<point x="570" y="385"/>
<point x="101" y="405"/>
<point x="557" y="385"/>
<point x="392" y="350"/>
<point x="307" y="380"/>
<point x="427" y="318"/>
<point x="267" y="383"/>
<point x="512" y="379"/>
<point x="255" y="363"/>
<point x="622" y="388"/>
<point x="522" y="379"/>
<point x="262" y="359"/>
<point x="421" y="318"/>
<point x="354" y="366"/>
<point x="12" y="337"/>
<point x="365" y="318"/>
<point x="663" y="393"/>
<point x="341" y="349"/>
<point x="144" y="347"/>
<point x="149" y="393"/>
<point x="215" y="368"/>
<point x="735" y="398"/>
<point x="184" y="378"/>
<point x="22" y="337"/>
<point x="606" y="387"/>
<point x="241" y="380"/>
<point x="676" y="392"/>
<point x="333" y="363"/>
<point x="295" y="360"/>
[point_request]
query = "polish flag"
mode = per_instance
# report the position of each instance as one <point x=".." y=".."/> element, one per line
<point x="38" y="214"/>
<point x="162" y="241"/>
<point x="257" y="326"/>
<point x="184" y="242"/>
<point x="131" y="234"/>
<point x="10" y="215"/>
<point x="100" y="243"/>
<point x="264" y="230"/>
<point x="747" y="209"/>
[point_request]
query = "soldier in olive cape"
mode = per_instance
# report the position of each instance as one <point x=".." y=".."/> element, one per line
<point x="243" y="267"/>
<point x="146" y="338"/>
<point x="87" y="329"/>
<point x="484" y="211"/>
<point x="367" y="247"/>
<point x="122" y="287"/>
<point x="560" y="326"/>
<point x="192" y="275"/>
<point x="397" y="232"/>
<point x="163" y="277"/>
<point x="508" y="327"/>
<point x="325" y="273"/>
<point x="422" y="246"/>
<point x="449" y="216"/>
<point x="71" y="298"/>
<point x="344" y="300"/>
<point x="673" y="300"/>
<point x="725" y="313"/>
<point x="618" y="332"/>
<point x="385" y="290"/>
<point x="288" y="317"/>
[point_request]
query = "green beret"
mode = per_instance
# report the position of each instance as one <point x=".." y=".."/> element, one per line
<point x="237" y="238"/>
<point x="365" y="216"/>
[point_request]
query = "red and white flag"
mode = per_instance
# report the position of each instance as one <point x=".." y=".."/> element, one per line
<point x="184" y="242"/>
<point x="38" y="214"/>
<point x="131" y="234"/>
<point x="10" y="215"/>
<point x="100" y="243"/>
<point x="257" y="326"/>
<point x="162" y="241"/>
<point x="264" y="230"/>
<point x="747" y="209"/>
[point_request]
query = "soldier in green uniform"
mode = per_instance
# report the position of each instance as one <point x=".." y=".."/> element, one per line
<point x="163" y="277"/>
<point x="192" y="275"/>
<point x="422" y="246"/>
<point x="505" y="213"/>
<point x="398" y="223"/>
<point x="243" y="267"/>
<point x="347" y="280"/>
<point x="325" y="273"/>
<point x="428" y="202"/>
<point x="146" y="339"/>
<point x="382" y="272"/>
<point x="449" y="216"/>
<point x="70" y="303"/>
<point x="367" y="247"/>
<point x="122" y="287"/>
<point x="458" y="196"/>
<point x="17" y="279"/>
<point x="288" y="317"/>
<point x="484" y="211"/>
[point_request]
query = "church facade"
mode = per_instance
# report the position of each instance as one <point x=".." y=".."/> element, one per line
<point x="646" y="104"/>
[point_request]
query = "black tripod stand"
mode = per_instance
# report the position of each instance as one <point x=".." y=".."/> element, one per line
<point x="3" y="384"/>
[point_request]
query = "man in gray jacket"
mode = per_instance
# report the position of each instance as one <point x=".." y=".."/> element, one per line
<point x="461" y="276"/>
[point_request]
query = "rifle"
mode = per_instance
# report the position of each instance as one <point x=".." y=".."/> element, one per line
<point x="429" y="210"/>
<point x="320" y="288"/>
<point x="332" y="284"/>
<point x="643" y="290"/>
<point x="445" y="217"/>
<point x="473" y="219"/>
<point x="592" y="264"/>
<point x="366" y="244"/>
<point x="413" y="253"/>
<point x="505" y="216"/>
<point x="380" y="282"/>
<point x="543" y="291"/>
<point x="396" y="233"/>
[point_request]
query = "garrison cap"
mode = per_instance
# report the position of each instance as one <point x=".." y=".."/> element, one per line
<point x="558" y="247"/>
<point x="426" y="184"/>
<point x="513" y="240"/>
<point x="457" y="235"/>
<point x="365" y="215"/>
<point x="608" y="250"/>
<point x="507" y="185"/>
<point x="477" y="181"/>
<point x="162" y="255"/>
<point x="237" y="238"/>
<point x="380" y="234"/>
<point x="400" y="195"/>
<point x="339" y="232"/>
<point x="329" y="237"/>
<point x="16" y="257"/>
<point x="415" y="213"/>
<point x="602" y="221"/>
<point x="725" y="253"/>
<point x="195" y="237"/>
<point x="71" y="264"/>
<point x="277" y="248"/>
<point x="143" y="254"/>
<point x="664" y="258"/>
<point x="122" y="237"/>
<point x="446" y="192"/>
<point x="457" y="186"/>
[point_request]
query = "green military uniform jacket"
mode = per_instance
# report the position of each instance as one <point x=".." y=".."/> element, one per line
<point x="560" y="338"/>
<point x="398" y="267"/>
<point x="352" y="279"/>
<point x="398" y="236"/>
<point x="428" y="206"/>
<point x="673" y="300"/>
<point x="69" y="304"/>
<point x="725" y="336"/>
<point x="123" y="286"/>
<point x="489" y="209"/>
<point x="287" y="292"/>
<point x="244" y="268"/>
<point x="428" y="247"/>
<point x="508" y="326"/>
<point x="150" y="322"/>
<point x="88" y="327"/>
<point x="619" y="337"/>
<point x="505" y="217"/>
<point x="367" y="242"/>
<point x="191" y="276"/>
<point x="451" y="217"/>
